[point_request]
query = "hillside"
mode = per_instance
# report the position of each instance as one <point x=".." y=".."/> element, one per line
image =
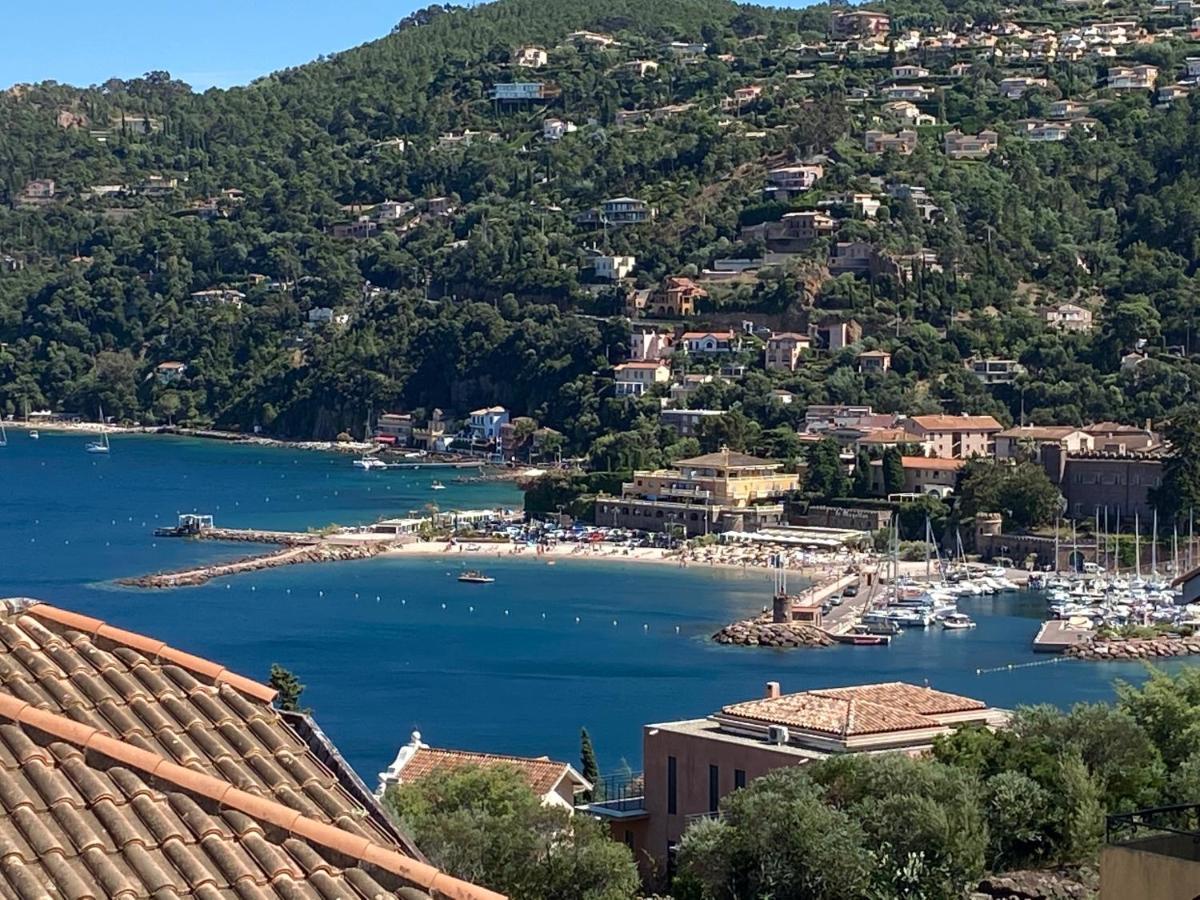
<point x="372" y="231"/>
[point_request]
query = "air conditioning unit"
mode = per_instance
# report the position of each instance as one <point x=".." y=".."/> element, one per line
<point x="778" y="734"/>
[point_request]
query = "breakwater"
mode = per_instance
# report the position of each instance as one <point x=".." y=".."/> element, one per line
<point x="761" y="631"/>
<point x="1124" y="650"/>
<point x="324" y="551"/>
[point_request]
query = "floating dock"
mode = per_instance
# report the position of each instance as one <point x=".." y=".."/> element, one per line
<point x="1059" y="636"/>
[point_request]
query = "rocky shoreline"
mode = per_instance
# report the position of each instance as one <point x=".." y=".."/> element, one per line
<point x="1137" y="648"/>
<point x="291" y="556"/>
<point x="762" y="632"/>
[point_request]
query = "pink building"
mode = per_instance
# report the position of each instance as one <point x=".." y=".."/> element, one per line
<point x="956" y="437"/>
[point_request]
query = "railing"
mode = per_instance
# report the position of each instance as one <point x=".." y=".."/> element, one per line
<point x="704" y="816"/>
<point x="1182" y="819"/>
<point x="621" y="792"/>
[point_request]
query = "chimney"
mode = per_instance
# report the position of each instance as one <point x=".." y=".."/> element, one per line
<point x="772" y="690"/>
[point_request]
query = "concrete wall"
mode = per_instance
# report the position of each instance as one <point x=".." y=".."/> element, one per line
<point x="693" y="755"/>
<point x="1160" y="868"/>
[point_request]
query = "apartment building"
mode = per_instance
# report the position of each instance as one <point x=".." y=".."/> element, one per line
<point x="955" y="437"/>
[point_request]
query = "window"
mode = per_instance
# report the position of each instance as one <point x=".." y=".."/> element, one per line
<point x="739" y="778"/>
<point x="671" y="775"/>
<point x="629" y="838"/>
<point x="714" y="787"/>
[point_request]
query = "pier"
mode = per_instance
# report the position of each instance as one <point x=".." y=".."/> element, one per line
<point x="1060" y="636"/>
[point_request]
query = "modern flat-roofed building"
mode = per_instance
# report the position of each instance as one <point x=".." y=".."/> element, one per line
<point x="722" y="491"/>
<point x="691" y="765"/>
<point x="1029" y="440"/>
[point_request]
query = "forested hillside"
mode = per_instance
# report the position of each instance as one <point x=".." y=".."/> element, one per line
<point x="478" y="287"/>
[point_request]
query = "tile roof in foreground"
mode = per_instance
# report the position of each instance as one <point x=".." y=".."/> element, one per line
<point x="132" y="769"/>
<point x="856" y="711"/>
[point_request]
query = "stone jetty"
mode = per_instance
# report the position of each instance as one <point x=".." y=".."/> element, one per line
<point x="322" y="551"/>
<point x="1163" y="647"/>
<point x="762" y="632"/>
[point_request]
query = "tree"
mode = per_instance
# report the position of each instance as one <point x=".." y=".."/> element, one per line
<point x="588" y="767"/>
<point x="288" y="686"/>
<point x="893" y="471"/>
<point x="1180" y="488"/>
<point x="861" y="484"/>
<point x="487" y="826"/>
<point x="826" y="477"/>
<point x="1023" y="492"/>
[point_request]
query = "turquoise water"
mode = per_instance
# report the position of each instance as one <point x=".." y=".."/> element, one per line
<point x="387" y="646"/>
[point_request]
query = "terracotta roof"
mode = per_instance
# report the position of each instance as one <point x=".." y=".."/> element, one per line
<point x="542" y="773"/>
<point x="856" y="711"/>
<point x="1039" y="432"/>
<point x="697" y="335"/>
<point x="932" y="462"/>
<point x="874" y="354"/>
<point x="641" y="364"/>
<point x="956" y="423"/>
<point x="132" y="769"/>
<point x="724" y="459"/>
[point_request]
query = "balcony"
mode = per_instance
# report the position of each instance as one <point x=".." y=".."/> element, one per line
<point x="618" y="796"/>
<point x="1152" y="854"/>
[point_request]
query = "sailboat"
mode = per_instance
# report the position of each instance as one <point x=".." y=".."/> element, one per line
<point x="100" y="446"/>
<point x="33" y="434"/>
<point x="3" y="436"/>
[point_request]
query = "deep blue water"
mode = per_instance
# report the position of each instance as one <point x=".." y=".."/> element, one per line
<point x="389" y="645"/>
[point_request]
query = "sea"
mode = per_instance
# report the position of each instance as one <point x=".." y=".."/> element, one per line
<point x="389" y="646"/>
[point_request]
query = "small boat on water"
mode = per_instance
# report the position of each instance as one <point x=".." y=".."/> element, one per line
<point x="957" y="622"/>
<point x="100" y="446"/>
<point x="474" y="576"/>
<point x="863" y="639"/>
<point x="437" y="486"/>
<point x="3" y="436"/>
<point x="367" y="463"/>
<point x="33" y="435"/>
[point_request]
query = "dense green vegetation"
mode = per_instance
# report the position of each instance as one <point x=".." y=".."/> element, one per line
<point x="493" y="303"/>
<point x="889" y="826"/>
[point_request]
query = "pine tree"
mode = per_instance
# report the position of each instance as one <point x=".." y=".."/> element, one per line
<point x="289" y="687"/>
<point x="587" y="759"/>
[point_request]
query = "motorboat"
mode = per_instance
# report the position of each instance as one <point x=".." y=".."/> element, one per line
<point x="367" y="463"/>
<point x="474" y="576"/>
<point x="33" y="435"/>
<point x="437" y="486"/>
<point x="957" y="622"/>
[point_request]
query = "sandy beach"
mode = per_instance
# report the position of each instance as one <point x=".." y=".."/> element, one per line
<point x="717" y="556"/>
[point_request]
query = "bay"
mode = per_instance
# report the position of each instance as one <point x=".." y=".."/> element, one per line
<point x="392" y="645"/>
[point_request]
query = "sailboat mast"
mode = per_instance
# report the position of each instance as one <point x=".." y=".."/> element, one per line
<point x="1154" y="547"/>
<point x="1137" y="545"/>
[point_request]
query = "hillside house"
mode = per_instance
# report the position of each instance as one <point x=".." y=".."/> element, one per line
<point x="909" y="72"/>
<point x="784" y="349"/>
<point x="530" y="57"/>
<point x="902" y="142"/>
<point x="1015" y="88"/>
<point x="523" y="92"/>
<point x="676" y="298"/>
<point x="686" y="422"/>
<point x="613" y="268"/>
<point x="995" y="370"/>
<point x="970" y="146"/>
<point x="922" y="475"/>
<point x="483" y="425"/>
<point x="908" y="113"/>
<point x="834" y="334"/>
<point x="873" y="361"/>
<point x="917" y="92"/>
<point x="708" y="342"/>
<point x="557" y="129"/>
<point x="641" y="67"/>
<point x="622" y="211"/>
<point x="632" y="379"/>
<point x="794" y="232"/>
<point x="1068" y="317"/>
<point x="686" y="51"/>
<point x="650" y="345"/>
<point x="785" y="182"/>
<point x="860" y="23"/>
<point x="1066" y="109"/>
<point x="356" y="231"/>
<point x="219" y="297"/>
<point x="1131" y="78"/>
<point x="169" y="372"/>
<point x="955" y="437"/>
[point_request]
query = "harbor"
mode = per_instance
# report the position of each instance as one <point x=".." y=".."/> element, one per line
<point x="627" y="637"/>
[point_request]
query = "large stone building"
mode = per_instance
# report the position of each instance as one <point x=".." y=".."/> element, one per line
<point x="1111" y="483"/>
<point x="722" y="491"/>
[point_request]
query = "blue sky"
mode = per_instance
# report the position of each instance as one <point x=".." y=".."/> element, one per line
<point x="204" y="42"/>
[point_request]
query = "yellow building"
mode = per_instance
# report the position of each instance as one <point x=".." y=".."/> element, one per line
<point x="722" y="491"/>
